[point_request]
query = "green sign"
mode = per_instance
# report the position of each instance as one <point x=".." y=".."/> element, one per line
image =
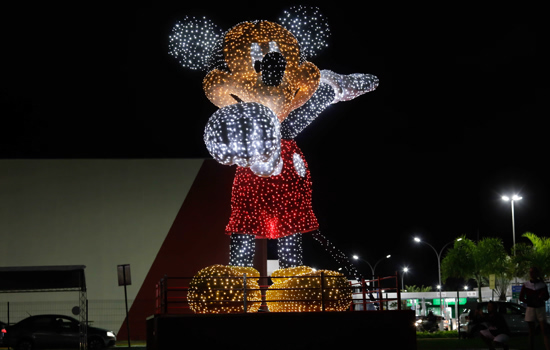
<point x="450" y="301"/>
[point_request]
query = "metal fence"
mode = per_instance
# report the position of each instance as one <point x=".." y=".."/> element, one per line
<point x="367" y="295"/>
<point x="171" y="298"/>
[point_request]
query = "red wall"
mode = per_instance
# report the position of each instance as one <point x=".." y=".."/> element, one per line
<point x="195" y="240"/>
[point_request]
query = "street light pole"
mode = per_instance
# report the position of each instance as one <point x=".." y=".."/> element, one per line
<point x="371" y="267"/>
<point x="514" y="198"/>
<point x="438" y="267"/>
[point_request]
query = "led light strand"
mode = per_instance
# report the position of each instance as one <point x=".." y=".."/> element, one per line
<point x="348" y="87"/>
<point x="274" y="206"/>
<point x="289" y="251"/>
<point x="300" y="118"/>
<point x="219" y="289"/>
<point x="298" y="289"/>
<point x="193" y="41"/>
<point x="273" y="69"/>
<point x="340" y="258"/>
<point x="241" y="250"/>
<point x="245" y="134"/>
<point x="309" y="26"/>
<point x="263" y="66"/>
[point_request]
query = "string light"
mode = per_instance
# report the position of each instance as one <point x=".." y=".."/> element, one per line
<point x="348" y="87"/>
<point x="192" y="42"/>
<point x="285" y="90"/>
<point x="241" y="250"/>
<point x="309" y="26"/>
<point x="298" y="289"/>
<point x="300" y="118"/>
<point x="338" y="256"/>
<point x="219" y="289"/>
<point x="245" y="134"/>
<point x="289" y="250"/>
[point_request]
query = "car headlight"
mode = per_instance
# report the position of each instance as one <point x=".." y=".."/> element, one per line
<point x="111" y="334"/>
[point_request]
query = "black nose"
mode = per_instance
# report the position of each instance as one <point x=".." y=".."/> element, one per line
<point x="273" y="69"/>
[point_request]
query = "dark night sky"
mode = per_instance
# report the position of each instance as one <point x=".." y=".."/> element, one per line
<point x="457" y="121"/>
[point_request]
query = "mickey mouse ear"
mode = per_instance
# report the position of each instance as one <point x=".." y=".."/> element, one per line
<point x="193" y="41"/>
<point x="310" y="28"/>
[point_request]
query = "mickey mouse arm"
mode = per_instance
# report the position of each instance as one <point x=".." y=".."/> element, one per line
<point x="348" y="87"/>
<point x="245" y="134"/>
<point x="332" y="88"/>
<point x="301" y="117"/>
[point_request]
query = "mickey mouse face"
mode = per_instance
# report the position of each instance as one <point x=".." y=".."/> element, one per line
<point x="263" y="60"/>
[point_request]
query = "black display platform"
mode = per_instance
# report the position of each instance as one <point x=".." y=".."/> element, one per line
<point x="266" y="330"/>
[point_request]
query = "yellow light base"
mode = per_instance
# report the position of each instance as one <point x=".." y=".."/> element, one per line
<point x="219" y="289"/>
<point x="299" y="289"/>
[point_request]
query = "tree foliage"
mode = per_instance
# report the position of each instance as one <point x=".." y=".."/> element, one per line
<point x="471" y="260"/>
<point x="522" y="259"/>
<point x="416" y="289"/>
<point x="504" y="278"/>
<point x="536" y="254"/>
<point x="478" y="260"/>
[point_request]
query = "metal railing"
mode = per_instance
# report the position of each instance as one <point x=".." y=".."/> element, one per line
<point x="171" y="294"/>
<point x="372" y="298"/>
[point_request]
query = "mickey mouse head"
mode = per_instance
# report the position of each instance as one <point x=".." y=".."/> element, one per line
<point x="264" y="66"/>
<point x="257" y="61"/>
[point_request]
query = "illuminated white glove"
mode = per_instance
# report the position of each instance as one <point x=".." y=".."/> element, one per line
<point x="245" y="134"/>
<point x="348" y="87"/>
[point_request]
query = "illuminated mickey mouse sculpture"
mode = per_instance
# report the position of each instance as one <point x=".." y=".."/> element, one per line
<point x="267" y="93"/>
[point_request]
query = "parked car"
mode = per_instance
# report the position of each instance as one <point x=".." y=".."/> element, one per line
<point x="423" y="325"/>
<point x="3" y="327"/>
<point x="54" y="331"/>
<point x="513" y="313"/>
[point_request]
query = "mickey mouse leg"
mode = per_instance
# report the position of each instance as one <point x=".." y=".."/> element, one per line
<point x="241" y="250"/>
<point x="289" y="250"/>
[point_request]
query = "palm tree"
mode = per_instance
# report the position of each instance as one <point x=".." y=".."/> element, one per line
<point x="471" y="260"/>
<point x="504" y="278"/>
<point x="536" y="254"/>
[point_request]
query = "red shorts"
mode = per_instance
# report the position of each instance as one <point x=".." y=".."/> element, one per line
<point x="275" y="206"/>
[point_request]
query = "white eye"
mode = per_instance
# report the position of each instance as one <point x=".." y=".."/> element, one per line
<point x="257" y="56"/>
<point x="256" y="52"/>
<point x="273" y="47"/>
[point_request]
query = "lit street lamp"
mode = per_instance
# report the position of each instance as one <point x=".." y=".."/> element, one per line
<point x="514" y="198"/>
<point x="438" y="267"/>
<point x="372" y="267"/>
<point x="405" y="270"/>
